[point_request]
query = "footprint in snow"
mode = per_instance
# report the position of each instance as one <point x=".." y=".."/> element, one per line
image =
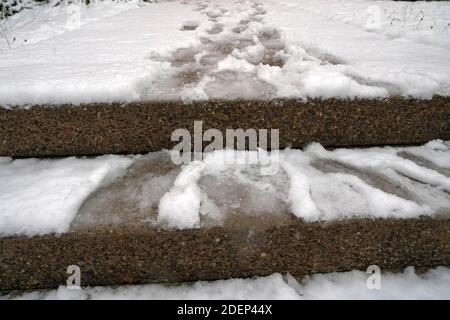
<point x="189" y="25"/>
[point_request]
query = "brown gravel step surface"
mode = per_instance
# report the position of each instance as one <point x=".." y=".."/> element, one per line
<point x="42" y="131"/>
<point x="145" y="254"/>
<point x="115" y="237"/>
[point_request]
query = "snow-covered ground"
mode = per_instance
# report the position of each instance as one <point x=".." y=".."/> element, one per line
<point x="40" y="22"/>
<point x="106" y="60"/>
<point x="44" y="196"/>
<point x="198" y="49"/>
<point x="435" y="284"/>
<point x="383" y="44"/>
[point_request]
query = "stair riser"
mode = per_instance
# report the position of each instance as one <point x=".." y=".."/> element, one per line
<point x="142" y="255"/>
<point x="142" y="127"/>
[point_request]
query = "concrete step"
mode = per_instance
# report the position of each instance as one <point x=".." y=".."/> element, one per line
<point x="42" y="131"/>
<point x="144" y="254"/>
<point x="116" y="238"/>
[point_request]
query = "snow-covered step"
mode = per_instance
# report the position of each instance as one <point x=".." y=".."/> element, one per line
<point x="137" y="219"/>
<point x="204" y="50"/>
<point x="283" y="54"/>
<point x="95" y="129"/>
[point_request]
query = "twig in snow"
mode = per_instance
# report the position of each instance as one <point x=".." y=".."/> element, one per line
<point x="421" y="19"/>
<point x="3" y="32"/>
<point x="406" y="18"/>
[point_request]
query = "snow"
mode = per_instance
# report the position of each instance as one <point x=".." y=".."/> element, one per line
<point x="233" y="64"/>
<point x="43" y="196"/>
<point x="435" y="284"/>
<point x="37" y="22"/>
<point x="352" y="285"/>
<point x="312" y="183"/>
<point x="206" y="190"/>
<point x="404" y="58"/>
<point x="330" y="196"/>
<point x="248" y="58"/>
<point x="102" y="61"/>
<point x="434" y="151"/>
<point x="199" y="50"/>
<point x="383" y="159"/>
<point x="181" y="205"/>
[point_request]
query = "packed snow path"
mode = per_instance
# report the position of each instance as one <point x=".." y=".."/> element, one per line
<point x="224" y="64"/>
<point x="196" y="50"/>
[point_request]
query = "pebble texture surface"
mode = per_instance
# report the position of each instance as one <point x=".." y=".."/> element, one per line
<point x="144" y="254"/>
<point x="43" y="131"/>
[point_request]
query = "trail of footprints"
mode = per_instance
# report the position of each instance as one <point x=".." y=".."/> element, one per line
<point x="193" y="64"/>
<point x="195" y="75"/>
